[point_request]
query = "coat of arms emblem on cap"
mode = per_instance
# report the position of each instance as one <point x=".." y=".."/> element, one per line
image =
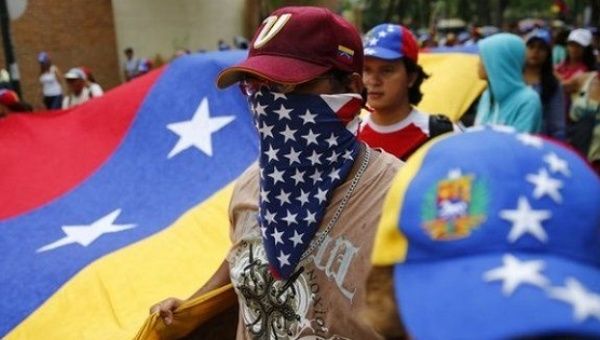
<point x="454" y="207"/>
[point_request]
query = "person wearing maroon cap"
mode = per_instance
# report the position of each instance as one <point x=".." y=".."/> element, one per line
<point x="303" y="217"/>
<point x="393" y="80"/>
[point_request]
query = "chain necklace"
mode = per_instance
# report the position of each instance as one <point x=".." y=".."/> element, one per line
<point x="317" y="242"/>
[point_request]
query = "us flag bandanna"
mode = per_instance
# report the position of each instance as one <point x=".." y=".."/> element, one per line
<point x="306" y="151"/>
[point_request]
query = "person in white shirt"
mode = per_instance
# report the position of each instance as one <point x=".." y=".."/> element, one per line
<point x="79" y="91"/>
<point x="130" y="65"/>
<point x="52" y="82"/>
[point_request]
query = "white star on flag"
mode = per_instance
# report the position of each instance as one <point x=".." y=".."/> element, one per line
<point x="283" y="259"/>
<point x="373" y="41"/>
<point x="514" y="272"/>
<point x="557" y="164"/>
<point x="348" y="155"/>
<point x="334" y="157"/>
<point x="390" y="28"/>
<point x="283" y="112"/>
<point x="454" y="173"/>
<point x="87" y="234"/>
<point x="545" y="185"/>
<point x="198" y="131"/>
<point x="277" y="236"/>
<point x="369" y="51"/>
<point x="308" y="117"/>
<point x="585" y="304"/>
<point x="503" y="129"/>
<point x="382" y="34"/>
<point x="530" y="140"/>
<point x="526" y="220"/>
<point x="297" y="238"/>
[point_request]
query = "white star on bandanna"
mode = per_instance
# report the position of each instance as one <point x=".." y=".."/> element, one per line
<point x="526" y="220"/>
<point x="298" y="177"/>
<point x="310" y="217"/>
<point x="303" y="198"/>
<point x="332" y="141"/>
<point x="390" y="28"/>
<point x="545" y="185"/>
<point x="334" y="157"/>
<point x="270" y="217"/>
<point x="283" y="112"/>
<point x="283" y="197"/>
<point x="316" y="177"/>
<point x="308" y="117"/>
<point x="503" y="129"/>
<point x="290" y="218"/>
<point x="264" y="196"/>
<point x="266" y="131"/>
<point x="514" y="272"/>
<point x="348" y="155"/>
<point x="277" y="176"/>
<point x="335" y="174"/>
<point x="260" y="109"/>
<point x="382" y="34"/>
<point x="530" y="140"/>
<point x="283" y="259"/>
<point x="277" y="236"/>
<point x="272" y="153"/>
<point x="277" y="95"/>
<point x="198" y="131"/>
<point x="557" y="164"/>
<point x="288" y="134"/>
<point x="87" y="234"/>
<point x="369" y="51"/>
<point x="321" y="195"/>
<point x="584" y="303"/>
<point x="293" y="156"/>
<point x="315" y="158"/>
<point x="373" y="41"/>
<point x="297" y="238"/>
<point x="311" y="137"/>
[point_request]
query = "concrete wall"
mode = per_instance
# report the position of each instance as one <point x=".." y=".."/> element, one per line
<point x="153" y="27"/>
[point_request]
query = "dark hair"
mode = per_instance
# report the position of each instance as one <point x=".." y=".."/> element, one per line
<point x="342" y="77"/>
<point x="548" y="81"/>
<point x="20" y="107"/>
<point x="414" y="92"/>
<point x="588" y="58"/>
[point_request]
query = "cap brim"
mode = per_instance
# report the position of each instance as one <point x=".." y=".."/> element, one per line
<point x="278" y="69"/>
<point x="382" y="53"/>
<point x="451" y="300"/>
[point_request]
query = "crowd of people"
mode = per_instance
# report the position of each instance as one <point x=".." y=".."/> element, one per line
<point x="477" y="237"/>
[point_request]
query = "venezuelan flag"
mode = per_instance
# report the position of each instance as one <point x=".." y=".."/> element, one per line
<point x="114" y="205"/>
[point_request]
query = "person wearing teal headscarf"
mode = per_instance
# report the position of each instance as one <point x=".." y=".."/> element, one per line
<point x="507" y="100"/>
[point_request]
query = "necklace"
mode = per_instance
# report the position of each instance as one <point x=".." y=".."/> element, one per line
<point x="317" y="242"/>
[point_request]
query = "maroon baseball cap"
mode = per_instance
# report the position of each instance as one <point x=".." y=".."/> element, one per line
<point x="297" y="44"/>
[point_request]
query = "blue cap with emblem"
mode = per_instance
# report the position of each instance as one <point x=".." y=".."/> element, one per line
<point x="494" y="235"/>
